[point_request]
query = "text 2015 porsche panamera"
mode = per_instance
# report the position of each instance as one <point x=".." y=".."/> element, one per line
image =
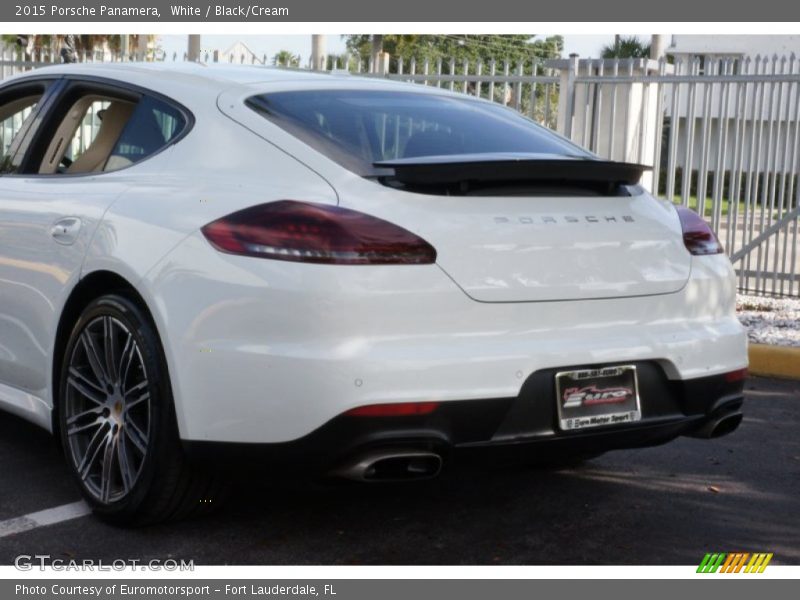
<point x="337" y="276"/>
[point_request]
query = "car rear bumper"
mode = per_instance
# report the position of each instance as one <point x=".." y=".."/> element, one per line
<point x="263" y="351"/>
<point x="525" y="426"/>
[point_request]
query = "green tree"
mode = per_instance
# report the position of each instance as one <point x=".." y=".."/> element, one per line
<point x="626" y="47"/>
<point x="54" y="43"/>
<point x="285" y="58"/>
<point x="460" y="47"/>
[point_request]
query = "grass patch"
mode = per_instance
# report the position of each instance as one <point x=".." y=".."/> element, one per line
<point x="725" y="208"/>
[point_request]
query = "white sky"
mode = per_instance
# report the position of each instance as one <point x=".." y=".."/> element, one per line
<point x="587" y="46"/>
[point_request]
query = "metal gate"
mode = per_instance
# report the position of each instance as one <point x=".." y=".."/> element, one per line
<point x="721" y="135"/>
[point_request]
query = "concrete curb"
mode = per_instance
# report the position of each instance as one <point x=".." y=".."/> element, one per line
<point x="774" y="361"/>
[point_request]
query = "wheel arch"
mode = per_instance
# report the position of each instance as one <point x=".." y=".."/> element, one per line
<point x="89" y="287"/>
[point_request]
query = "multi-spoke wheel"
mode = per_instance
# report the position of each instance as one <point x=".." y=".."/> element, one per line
<point x="117" y="420"/>
<point x="107" y="408"/>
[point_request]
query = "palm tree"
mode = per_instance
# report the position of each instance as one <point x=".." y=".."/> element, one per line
<point x="626" y="47"/>
<point x="285" y="58"/>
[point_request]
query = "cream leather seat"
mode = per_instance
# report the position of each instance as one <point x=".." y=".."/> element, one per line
<point x="114" y="119"/>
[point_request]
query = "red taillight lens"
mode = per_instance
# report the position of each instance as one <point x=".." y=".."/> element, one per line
<point x="734" y="376"/>
<point x="403" y="409"/>
<point x="698" y="237"/>
<point x="317" y="233"/>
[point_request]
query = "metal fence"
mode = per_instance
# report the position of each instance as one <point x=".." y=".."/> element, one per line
<point x="528" y="86"/>
<point x="722" y="135"/>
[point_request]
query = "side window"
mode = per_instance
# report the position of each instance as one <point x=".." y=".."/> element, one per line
<point x="14" y="118"/>
<point x="101" y="133"/>
<point x="152" y="126"/>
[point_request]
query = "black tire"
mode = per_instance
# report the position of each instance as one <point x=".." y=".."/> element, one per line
<point x="129" y="423"/>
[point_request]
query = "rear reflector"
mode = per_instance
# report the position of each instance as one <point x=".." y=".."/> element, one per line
<point x="698" y="237"/>
<point x="733" y="376"/>
<point x="317" y="233"/>
<point x="403" y="409"/>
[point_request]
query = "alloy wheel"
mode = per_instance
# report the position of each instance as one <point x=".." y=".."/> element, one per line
<point x="107" y="409"/>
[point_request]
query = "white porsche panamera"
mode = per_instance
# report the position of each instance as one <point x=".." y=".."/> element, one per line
<point x="336" y="276"/>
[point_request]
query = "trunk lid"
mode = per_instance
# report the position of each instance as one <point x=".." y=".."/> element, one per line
<point x="573" y="229"/>
<point x="515" y="249"/>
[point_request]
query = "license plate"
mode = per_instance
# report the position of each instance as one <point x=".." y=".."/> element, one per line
<point x="597" y="397"/>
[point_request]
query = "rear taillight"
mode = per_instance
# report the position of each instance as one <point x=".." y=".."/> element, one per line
<point x="401" y="409"/>
<point x="317" y="233"/>
<point x="698" y="237"/>
<point x="734" y="376"/>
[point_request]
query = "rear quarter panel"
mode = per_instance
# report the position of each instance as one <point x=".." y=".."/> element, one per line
<point x="218" y="168"/>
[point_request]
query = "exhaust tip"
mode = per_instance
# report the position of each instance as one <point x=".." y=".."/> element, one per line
<point x="391" y="465"/>
<point x="727" y="424"/>
<point x="719" y="425"/>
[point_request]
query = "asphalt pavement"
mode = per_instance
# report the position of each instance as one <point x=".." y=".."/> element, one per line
<point x="656" y="506"/>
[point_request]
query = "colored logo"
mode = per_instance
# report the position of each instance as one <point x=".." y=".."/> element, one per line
<point x="591" y="395"/>
<point x="734" y="562"/>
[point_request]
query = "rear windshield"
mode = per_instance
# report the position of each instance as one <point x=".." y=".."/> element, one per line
<point x="357" y="128"/>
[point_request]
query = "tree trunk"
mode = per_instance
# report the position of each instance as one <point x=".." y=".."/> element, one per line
<point x="377" y="49"/>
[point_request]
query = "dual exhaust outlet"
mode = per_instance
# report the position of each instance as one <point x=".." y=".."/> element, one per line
<point x="388" y="464"/>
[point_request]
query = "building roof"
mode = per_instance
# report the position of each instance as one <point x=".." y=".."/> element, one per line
<point x="740" y="45"/>
<point x="239" y="49"/>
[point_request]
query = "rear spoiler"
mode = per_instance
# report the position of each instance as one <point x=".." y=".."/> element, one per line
<point x="448" y="170"/>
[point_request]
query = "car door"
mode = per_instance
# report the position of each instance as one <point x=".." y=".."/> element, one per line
<point x="47" y="218"/>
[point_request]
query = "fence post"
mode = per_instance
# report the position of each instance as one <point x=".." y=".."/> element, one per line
<point x="492" y="72"/>
<point x="383" y="64"/>
<point x="518" y="86"/>
<point x="568" y="94"/>
<point x="193" y="49"/>
<point x="452" y="72"/>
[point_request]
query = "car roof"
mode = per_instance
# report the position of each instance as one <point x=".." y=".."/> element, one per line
<point x="221" y="74"/>
<point x="196" y="84"/>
